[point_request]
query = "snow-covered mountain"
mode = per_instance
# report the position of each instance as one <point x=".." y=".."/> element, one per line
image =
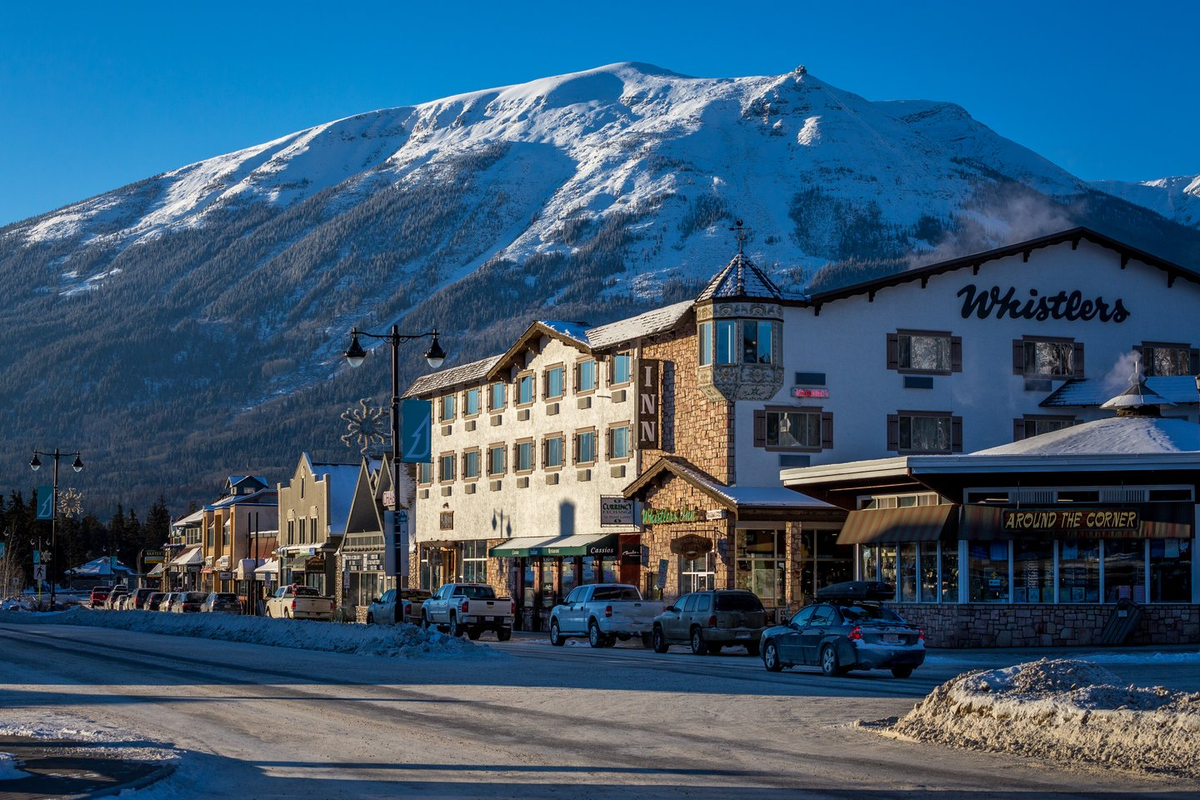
<point x="205" y="308"/>
<point x="1175" y="198"/>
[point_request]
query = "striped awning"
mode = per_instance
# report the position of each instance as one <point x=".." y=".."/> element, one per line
<point x="911" y="524"/>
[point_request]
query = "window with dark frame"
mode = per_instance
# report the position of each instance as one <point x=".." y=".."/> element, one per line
<point x="924" y="352"/>
<point x="448" y="407"/>
<point x="585" y="376"/>
<point x="793" y="429"/>
<point x="446" y="467"/>
<point x="1037" y="424"/>
<point x="585" y="447"/>
<point x="621" y="370"/>
<point x="523" y="456"/>
<point x="619" y="442"/>
<point x="552" y="452"/>
<point x="924" y="432"/>
<point x="496" y="396"/>
<point x="554" y="384"/>
<point x="1162" y="359"/>
<point x="705" y="342"/>
<point x="525" y="389"/>
<point x="495" y="465"/>
<point x="471" y="401"/>
<point x="470" y="461"/>
<point x="1047" y="358"/>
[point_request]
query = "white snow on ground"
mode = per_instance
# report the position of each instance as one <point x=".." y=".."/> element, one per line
<point x="10" y="769"/>
<point x="1065" y="710"/>
<point x="403" y="641"/>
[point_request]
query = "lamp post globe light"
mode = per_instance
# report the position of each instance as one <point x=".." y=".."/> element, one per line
<point x="35" y="464"/>
<point x="434" y="356"/>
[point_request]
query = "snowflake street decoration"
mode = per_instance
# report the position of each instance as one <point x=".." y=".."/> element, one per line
<point x="70" y="503"/>
<point x="365" y="426"/>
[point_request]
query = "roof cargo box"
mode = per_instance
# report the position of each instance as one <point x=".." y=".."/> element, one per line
<point x="857" y="590"/>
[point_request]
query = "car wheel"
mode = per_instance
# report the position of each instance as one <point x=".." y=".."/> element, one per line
<point x="595" y="637"/>
<point x="647" y="640"/>
<point x="424" y="622"/>
<point x="504" y="634"/>
<point x="829" y="662"/>
<point x="556" y="638"/>
<point x="286" y="614"/>
<point x="698" y="646"/>
<point x="370" y="618"/>
<point x="473" y="634"/>
<point x="902" y="672"/>
<point x="752" y="648"/>
<point x="455" y="628"/>
<point x="660" y="640"/>
<point x="770" y="657"/>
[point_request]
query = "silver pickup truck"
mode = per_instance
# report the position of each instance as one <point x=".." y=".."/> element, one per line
<point x="604" y="612"/>
<point x="469" y="608"/>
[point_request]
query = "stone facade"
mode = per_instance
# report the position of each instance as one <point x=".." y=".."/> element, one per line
<point x="995" y="625"/>
<point x="676" y="493"/>
<point x="693" y="425"/>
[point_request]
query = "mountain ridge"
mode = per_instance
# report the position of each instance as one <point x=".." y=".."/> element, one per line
<point x="202" y="312"/>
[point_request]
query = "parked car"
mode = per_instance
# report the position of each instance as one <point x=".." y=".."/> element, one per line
<point x="299" y="602"/>
<point x="168" y="599"/>
<point x="187" y="602"/>
<point x="469" y="608"/>
<point x="385" y="610"/>
<point x="847" y="628"/>
<point x="222" y="602"/>
<point x="99" y="595"/>
<point x="115" y="596"/>
<point x="140" y="597"/>
<point x="154" y="601"/>
<point x="711" y="620"/>
<point x="604" y="612"/>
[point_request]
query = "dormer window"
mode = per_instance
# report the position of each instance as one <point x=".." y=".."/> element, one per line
<point x="757" y="338"/>
<point x="755" y="346"/>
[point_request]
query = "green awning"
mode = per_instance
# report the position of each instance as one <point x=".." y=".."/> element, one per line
<point x="890" y="525"/>
<point x="601" y="545"/>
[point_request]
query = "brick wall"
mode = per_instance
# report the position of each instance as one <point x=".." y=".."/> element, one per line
<point x="693" y="427"/>
<point x="985" y="625"/>
<point x="676" y="493"/>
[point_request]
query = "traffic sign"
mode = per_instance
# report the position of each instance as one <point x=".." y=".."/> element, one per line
<point x="39" y="572"/>
<point x="45" y="502"/>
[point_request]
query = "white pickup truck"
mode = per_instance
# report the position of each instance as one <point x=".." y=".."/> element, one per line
<point x="299" y="602"/>
<point x="604" y="612"/>
<point x="470" y="608"/>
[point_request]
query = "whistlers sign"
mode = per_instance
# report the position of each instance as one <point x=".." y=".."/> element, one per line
<point x="647" y="404"/>
<point x="1070" y="306"/>
<point x="1071" y="520"/>
<point x="661" y="516"/>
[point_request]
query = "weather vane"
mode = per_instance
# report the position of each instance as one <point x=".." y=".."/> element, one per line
<point x="739" y="233"/>
<point x="365" y="426"/>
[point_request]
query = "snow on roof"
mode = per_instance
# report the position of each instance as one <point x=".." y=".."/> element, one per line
<point x="1176" y="389"/>
<point x="574" y="330"/>
<point x="474" y="372"/>
<point x="261" y="497"/>
<point x="342" y="479"/>
<point x="193" y="555"/>
<point x="647" y="324"/>
<point x="740" y="278"/>
<point x="101" y="566"/>
<point x="744" y="496"/>
<point x="1139" y="395"/>
<point x="190" y="519"/>
<point x="1118" y="436"/>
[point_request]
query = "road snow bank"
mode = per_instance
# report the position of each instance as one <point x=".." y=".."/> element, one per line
<point x="399" y="641"/>
<point x="10" y="768"/>
<point x="1066" y="710"/>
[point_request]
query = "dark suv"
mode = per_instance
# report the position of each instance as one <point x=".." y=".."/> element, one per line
<point x="847" y="628"/>
<point x="711" y="620"/>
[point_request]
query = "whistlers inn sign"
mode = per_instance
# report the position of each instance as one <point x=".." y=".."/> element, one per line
<point x="666" y="516"/>
<point x="1070" y="306"/>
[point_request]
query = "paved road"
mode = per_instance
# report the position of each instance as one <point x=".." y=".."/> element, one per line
<point x="533" y="721"/>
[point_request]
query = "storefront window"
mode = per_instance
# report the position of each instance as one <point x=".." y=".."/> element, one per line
<point x="760" y="565"/>
<point x="1171" y="570"/>
<point x="696" y="574"/>
<point x="868" y="562"/>
<point x="1125" y="570"/>
<point x="929" y="571"/>
<point x="950" y="572"/>
<point x="887" y="563"/>
<point x="906" y="588"/>
<point x="1033" y="572"/>
<point x="474" y="562"/>
<point x="1079" y="571"/>
<point x="568" y="581"/>
<point x="987" y="565"/>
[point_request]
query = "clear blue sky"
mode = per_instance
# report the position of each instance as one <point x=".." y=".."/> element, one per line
<point x="97" y="95"/>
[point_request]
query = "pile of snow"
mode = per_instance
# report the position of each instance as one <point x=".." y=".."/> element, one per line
<point x="403" y="641"/>
<point x="1066" y="710"/>
<point x="10" y="768"/>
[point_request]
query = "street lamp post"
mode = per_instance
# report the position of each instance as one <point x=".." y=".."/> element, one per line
<point x="35" y="465"/>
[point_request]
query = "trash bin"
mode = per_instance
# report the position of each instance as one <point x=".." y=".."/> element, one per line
<point x="1120" y="625"/>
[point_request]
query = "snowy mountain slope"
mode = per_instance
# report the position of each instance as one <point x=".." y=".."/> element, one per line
<point x="203" y="311"/>
<point x="1175" y="198"/>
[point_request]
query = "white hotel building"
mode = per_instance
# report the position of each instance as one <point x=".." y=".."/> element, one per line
<point x="690" y="413"/>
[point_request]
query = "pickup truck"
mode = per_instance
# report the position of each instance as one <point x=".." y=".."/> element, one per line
<point x="470" y="608"/>
<point x="299" y="602"/>
<point x="604" y="612"/>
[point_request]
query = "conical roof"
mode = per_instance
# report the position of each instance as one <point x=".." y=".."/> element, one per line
<point x="1138" y="400"/>
<point x="740" y="279"/>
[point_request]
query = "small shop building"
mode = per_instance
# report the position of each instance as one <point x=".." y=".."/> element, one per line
<point x="1081" y="536"/>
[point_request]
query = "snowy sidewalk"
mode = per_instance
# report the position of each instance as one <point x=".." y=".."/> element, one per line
<point x="392" y="641"/>
<point x="64" y="768"/>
